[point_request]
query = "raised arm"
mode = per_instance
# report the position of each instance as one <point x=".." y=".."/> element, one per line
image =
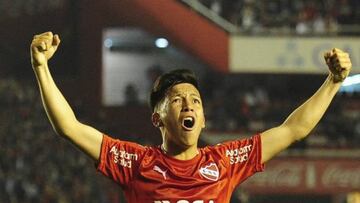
<point x="301" y="121"/>
<point x="58" y="110"/>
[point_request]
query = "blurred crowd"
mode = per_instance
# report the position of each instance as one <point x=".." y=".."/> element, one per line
<point x="300" y="17"/>
<point x="35" y="164"/>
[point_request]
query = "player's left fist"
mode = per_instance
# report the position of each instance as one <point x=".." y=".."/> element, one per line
<point x="339" y="64"/>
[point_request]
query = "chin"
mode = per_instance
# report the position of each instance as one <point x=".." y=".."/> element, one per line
<point x="189" y="142"/>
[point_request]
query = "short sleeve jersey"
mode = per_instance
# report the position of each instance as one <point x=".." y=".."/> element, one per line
<point x="147" y="174"/>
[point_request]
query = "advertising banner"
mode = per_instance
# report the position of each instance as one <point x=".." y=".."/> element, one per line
<point x="287" y="54"/>
<point x="296" y="176"/>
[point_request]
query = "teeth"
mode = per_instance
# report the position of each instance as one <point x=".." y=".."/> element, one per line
<point x="188" y="119"/>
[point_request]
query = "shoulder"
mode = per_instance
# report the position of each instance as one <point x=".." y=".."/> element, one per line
<point x="234" y="147"/>
<point x="123" y="148"/>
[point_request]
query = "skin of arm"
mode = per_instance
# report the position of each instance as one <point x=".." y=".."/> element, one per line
<point x="303" y="119"/>
<point x="58" y="110"/>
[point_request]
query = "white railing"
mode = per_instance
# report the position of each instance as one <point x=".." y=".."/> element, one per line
<point x="213" y="16"/>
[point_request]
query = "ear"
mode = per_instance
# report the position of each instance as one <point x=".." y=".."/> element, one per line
<point x="203" y="125"/>
<point x="155" y="118"/>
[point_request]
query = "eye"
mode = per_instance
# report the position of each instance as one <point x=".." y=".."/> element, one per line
<point x="197" y="101"/>
<point x="176" y="100"/>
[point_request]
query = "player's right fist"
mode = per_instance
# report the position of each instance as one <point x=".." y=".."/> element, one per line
<point x="43" y="47"/>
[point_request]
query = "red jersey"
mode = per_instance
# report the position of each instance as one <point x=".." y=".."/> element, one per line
<point x="147" y="174"/>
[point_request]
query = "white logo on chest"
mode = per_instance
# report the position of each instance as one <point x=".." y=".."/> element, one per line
<point x="210" y="172"/>
<point x="159" y="170"/>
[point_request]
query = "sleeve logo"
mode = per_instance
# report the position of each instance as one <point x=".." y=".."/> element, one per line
<point x="239" y="155"/>
<point x="122" y="157"/>
<point x="210" y="172"/>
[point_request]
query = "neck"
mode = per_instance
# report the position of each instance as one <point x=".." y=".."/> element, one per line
<point x="179" y="153"/>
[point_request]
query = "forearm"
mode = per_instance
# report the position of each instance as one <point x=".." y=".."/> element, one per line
<point x="305" y="117"/>
<point x="58" y="110"/>
<point x="299" y="124"/>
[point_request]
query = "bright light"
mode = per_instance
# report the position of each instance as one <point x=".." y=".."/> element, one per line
<point x="351" y="80"/>
<point x="161" y="43"/>
<point x="108" y="43"/>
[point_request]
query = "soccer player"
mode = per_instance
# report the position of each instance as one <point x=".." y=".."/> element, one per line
<point x="178" y="171"/>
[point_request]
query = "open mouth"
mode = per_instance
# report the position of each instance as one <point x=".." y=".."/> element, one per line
<point x="188" y="123"/>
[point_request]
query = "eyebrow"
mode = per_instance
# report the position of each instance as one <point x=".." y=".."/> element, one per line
<point x="192" y="94"/>
<point x="196" y="95"/>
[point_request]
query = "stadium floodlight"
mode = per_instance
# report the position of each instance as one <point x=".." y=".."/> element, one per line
<point x="108" y="43"/>
<point x="351" y="80"/>
<point x="161" y="43"/>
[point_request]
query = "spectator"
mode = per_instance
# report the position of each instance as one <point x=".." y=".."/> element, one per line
<point x="302" y="17"/>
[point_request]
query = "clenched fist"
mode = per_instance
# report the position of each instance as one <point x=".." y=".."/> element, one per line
<point x="43" y="47"/>
<point x="339" y="64"/>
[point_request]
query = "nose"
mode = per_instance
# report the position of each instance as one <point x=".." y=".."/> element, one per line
<point x="187" y="106"/>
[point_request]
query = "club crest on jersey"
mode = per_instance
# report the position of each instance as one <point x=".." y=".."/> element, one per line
<point x="210" y="172"/>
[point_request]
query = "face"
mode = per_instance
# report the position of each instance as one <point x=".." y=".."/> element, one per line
<point x="181" y="115"/>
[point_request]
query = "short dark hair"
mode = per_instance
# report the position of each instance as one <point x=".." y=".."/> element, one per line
<point x="164" y="82"/>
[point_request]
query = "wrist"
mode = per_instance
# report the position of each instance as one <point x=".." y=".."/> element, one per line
<point x="333" y="83"/>
<point x="336" y="78"/>
<point x="40" y="68"/>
